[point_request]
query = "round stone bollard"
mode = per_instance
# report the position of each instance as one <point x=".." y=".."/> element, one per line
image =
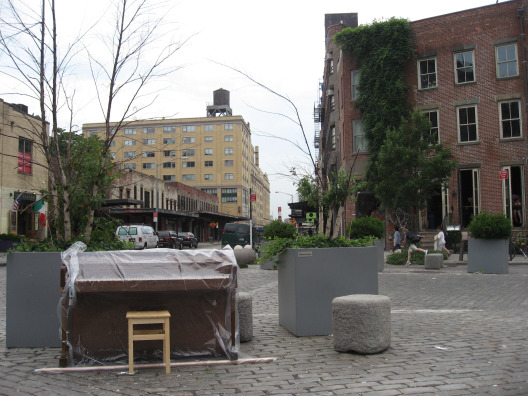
<point x="244" y="256"/>
<point x="245" y="316"/>
<point x="434" y="261"/>
<point x="361" y="323"/>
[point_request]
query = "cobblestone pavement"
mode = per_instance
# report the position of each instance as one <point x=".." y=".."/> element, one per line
<point x="453" y="333"/>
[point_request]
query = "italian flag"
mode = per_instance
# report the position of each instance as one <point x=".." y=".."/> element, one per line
<point x="39" y="207"/>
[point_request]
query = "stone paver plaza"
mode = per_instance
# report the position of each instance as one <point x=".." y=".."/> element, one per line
<point x="453" y="333"/>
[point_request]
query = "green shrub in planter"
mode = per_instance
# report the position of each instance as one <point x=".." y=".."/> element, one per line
<point x="486" y="225"/>
<point x="279" y="229"/>
<point x="365" y="226"/>
<point x="11" y="237"/>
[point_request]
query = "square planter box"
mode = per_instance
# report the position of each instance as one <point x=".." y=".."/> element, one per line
<point x="489" y="256"/>
<point x="309" y="279"/>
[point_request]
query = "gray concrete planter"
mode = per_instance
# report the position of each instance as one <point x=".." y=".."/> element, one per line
<point x="32" y="297"/>
<point x="309" y="279"/>
<point x="380" y="244"/>
<point x="489" y="256"/>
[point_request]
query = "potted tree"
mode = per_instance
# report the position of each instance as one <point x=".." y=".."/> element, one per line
<point x="488" y="243"/>
<point x="275" y="230"/>
<point x="313" y="270"/>
<point x="369" y="226"/>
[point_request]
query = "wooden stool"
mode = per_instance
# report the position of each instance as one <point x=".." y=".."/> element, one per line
<point x="148" y="318"/>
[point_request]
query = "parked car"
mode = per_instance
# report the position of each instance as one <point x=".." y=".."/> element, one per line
<point x="169" y="239"/>
<point x="188" y="239"/>
<point x="238" y="234"/>
<point x="141" y="236"/>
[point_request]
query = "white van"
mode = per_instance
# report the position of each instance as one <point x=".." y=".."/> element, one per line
<point x="142" y="236"/>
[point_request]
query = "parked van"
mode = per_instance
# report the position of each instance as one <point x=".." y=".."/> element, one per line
<point x="141" y="236"/>
<point x="238" y="234"/>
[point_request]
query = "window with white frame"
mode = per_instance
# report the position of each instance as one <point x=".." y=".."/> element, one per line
<point x="208" y="176"/>
<point x="354" y="81"/>
<point x="228" y="138"/>
<point x="188" y="152"/>
<point x="212" y="191"/>
<point x="112" y="154"/>
<point x="129" y="154"/>
<point x="228" y="162"/>
<point x="464" y="67"/>
<point x="228" y="127"/>
<point x="169" y="129"/>
<point x="506" y="57"/>
<point x="332" y="137"/>
<point x="359" y="141"/>
<point x="169" y="165"/>
<point x="229" y="176"/>
<point x="188" y="128"/>
<point x="188" y="164"/>
<point x="228" y="151"/>
<point x="188" y="140"/>
<point x="188" y="177"/>
<point x="432" y="116"/>
<point x="229" y="195"/>
<point x="130" y="131"/>
<point x="208" y="128"/>
<point x="467" y="124"/>
<point x="169" y="140"/>
<point x="130" y="142"/>
<point x="112" y="143"/>
<point x="331" y="65"/>
<point x="208" y="164"/>
<point x="510" y="116"/>
<point x="149" y="154"/>
<point x="208" y="139"/>
<point x="427" y="73"/>
<point x="169" y="153"/>
<point x="93" y="133"/>
<point x="208" y="151"/>
<point x="169" y="177"/>
<point x="148" y="131"/>
<point x="130" y="166"/>
<point x="149" y="142"/>
<point x="149" y="165"/>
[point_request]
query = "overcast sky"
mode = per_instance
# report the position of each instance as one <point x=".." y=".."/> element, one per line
<point x="279" y="43"/>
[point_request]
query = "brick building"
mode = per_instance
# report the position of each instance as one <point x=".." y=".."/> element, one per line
<point x="468" y="74"/>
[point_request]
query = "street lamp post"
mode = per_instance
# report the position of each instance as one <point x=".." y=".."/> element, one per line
<point x="282" y="192"/>
<point x="157" y="190"/>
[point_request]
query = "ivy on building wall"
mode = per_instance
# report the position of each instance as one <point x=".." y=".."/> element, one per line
<point x="382" y="50"/>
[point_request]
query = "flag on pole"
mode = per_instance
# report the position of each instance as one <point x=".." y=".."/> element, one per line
<point x="17" y="202"/>
<point x="39" y="207"/>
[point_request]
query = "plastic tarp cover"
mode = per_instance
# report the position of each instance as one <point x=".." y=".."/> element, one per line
<point x="197" y="287"/>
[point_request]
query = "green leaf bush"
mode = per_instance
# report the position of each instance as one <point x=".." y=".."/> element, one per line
<point x="11" y="237"/>
<point x="487" y="225"/>
<point x="365" y="226"/>
<point x="279" y="229"/>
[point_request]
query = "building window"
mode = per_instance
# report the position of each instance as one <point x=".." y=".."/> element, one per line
<point x="331" y="98"/>
<point x="129" y="154"/>
<point x="331" y="66"/>
<point x="467" y="124"/>
<point x="169" y="165"/>
<point x="432" y="116"/>
<point x="149" y="154"/>
<point x="188" y="164"/>
<point x="130" y="131"/>
<point x="149" y="165"/>
<point x="24" y="155"/>
<point x="129" y="166"/>
<point x="169" y="140"/>
<point x="427" y="73"/>
<point x="112" y="143"/>
<point x="228" y="163"/>
<point x="228" y="151"/>
<point x="188" y="140"/>
<point x="510" y="119"/>
<point x="188" y="152"/>
<point x="360" y="142"/>
<point x="228" y="127"/>
<point x="212" y="191"/>
<point x="229" y="195"/>
<point x="332" y="137"/>
<point x="506" y="57"/>
<point x="208" y="176"/>
<point x="228" y="138"/>
<point x="464" y="67"/>
<point x="149" y="142"/>
<point x="148" y="131"/>
<point x="188" y="177"/>
<point x="208" y="139"/>
<point x="208" y="128"/>
<point x="169" y="177"/>
<point x="208" y="164"/>
<point x="93" y="133"/>
<point x="169" y="153"/>
<point x="354" y="81"/>
<point x="169" y="129"/>
<point x="229" y="176"/>
<point x="208" y="151"/>
<point x="188" y="128"/>
<point x="130" y="142"/>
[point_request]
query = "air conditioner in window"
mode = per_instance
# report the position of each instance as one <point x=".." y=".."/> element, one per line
<point x="329" y="92"/>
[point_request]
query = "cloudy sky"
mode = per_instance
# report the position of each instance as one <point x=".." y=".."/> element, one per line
<point x="278" y="43"/>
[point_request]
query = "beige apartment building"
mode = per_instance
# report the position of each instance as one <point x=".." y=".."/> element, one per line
<point x="212" y="153"/>
<point x="22" y="171"/>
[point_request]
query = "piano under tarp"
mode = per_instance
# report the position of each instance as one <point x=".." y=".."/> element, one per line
<point x="197" y="287"/>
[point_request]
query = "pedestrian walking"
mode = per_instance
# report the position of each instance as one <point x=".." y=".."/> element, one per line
<point x="397" y="239"/>
<point x="412" y="239"/>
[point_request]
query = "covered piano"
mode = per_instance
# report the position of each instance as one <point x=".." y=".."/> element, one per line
<point x="197" y="287"/>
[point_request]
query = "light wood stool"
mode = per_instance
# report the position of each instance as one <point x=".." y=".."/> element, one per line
<point x="163" y="333"/>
